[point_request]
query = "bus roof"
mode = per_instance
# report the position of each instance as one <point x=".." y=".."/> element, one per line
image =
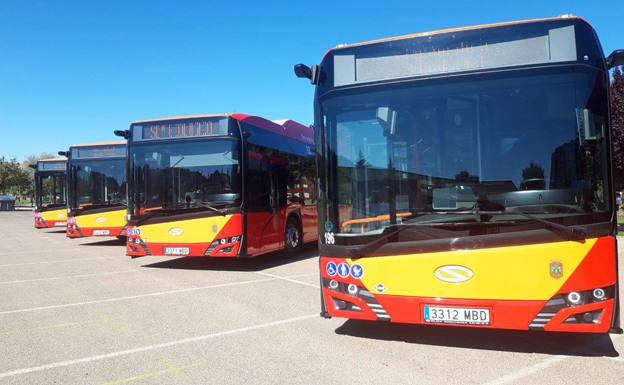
<point x="456" y="29"/>
<point x="199" y="116"/>
<point x="57" y="159"/>
<point x="285" y="127"/>
<point x="99" y="144"/>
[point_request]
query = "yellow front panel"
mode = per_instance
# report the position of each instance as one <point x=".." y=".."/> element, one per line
<point x="115" y="218"/>
<point x="55" y="215"/>
<point x="509" y="273"/>
<point x="201" y="230"/>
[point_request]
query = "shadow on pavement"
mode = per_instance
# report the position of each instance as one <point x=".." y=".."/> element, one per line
<point x="238" y="264"/>
<point x="56" y="231"/>
<point x="569" y="344"/>
<point x="107" y="242"/>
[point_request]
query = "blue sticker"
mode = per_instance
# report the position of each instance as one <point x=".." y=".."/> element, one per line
<point x="343" y="270"/>
<point x="330" y="268"/>
<point x="329" y="226"/>
<point x="357" y="271"/>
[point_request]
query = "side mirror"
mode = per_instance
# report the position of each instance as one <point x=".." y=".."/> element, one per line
<point x="615" y="59"/>
<point x="303" y="71"/>
<point x="123" y="133"/>
<point x="312" y="73"/>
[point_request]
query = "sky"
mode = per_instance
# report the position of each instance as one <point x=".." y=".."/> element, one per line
<point x="71" y="72"/>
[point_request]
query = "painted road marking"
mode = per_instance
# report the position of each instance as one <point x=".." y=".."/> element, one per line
<point x="532" y="369"/>
<point x="159" y="293"/>
<point x="69" y="276"/>
<point x="141" y="349"/>
<point x="56" y="261"/>
<point x="289" y="279"/>
<point x="173" y="370"/>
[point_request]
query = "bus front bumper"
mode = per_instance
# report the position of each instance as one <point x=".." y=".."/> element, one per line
<point x="225" y="247"/>
<point x="552" y="315"/>
<point x="561" y="286"/>
<point x="74" y="231"/>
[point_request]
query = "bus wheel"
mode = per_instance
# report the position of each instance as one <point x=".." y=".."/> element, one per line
<point x="292" y="236"/>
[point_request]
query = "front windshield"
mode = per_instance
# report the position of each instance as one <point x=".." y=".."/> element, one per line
<point x="98" y="182"/>
<point x="184" y="174"/>
<point x="530" y="142"/>
<point x="51" y="190"/>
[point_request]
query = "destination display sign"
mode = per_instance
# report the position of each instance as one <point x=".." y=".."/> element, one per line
<point x="112" y="151"/>
<point x="180" y="129"/>
<point x="52" y="166"/>
<point x="444" y="53"/>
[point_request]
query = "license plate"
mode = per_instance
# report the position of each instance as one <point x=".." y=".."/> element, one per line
<point x="456" y="315"/>
<point x="101" y="232"/>
<point x="176" y="250"/>
<point x="60" y="223"/>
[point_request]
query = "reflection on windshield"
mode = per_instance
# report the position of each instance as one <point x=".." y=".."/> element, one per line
<point x="98" y="182"/>
<point x="188" y="174"/>
<point x="532" y="143"/>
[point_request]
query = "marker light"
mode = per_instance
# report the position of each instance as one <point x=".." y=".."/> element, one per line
<point x="352" y="289"/>
<point x="574" y="298"/>
<point x="599" y="294"/>
<point x="333" y="284"/>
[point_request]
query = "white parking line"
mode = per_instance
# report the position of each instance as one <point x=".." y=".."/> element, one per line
<point x="190" y="289"/>
<point x="55" y="261"/>
<point x="100" y="357"/>
<point x="38" y="250"/>
<point x="288" y="279"/>
<point x="69" y="276"/>
<point x="532" y="369"/>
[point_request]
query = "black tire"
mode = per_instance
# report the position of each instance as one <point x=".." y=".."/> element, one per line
<point x="293" y="239"/>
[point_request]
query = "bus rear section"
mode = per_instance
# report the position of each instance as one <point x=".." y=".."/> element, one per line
<point x="97" y="190"/>
<point x="50" y="193"/>
<point x="467" y="180"/>
<point x="220" y="186"/>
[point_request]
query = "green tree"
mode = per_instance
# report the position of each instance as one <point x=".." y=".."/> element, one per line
<point x="617" y="125"/>
<point x="18" y="179"/>
<point x="14" y="179"/>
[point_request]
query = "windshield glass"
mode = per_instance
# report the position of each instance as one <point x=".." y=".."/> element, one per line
<point x="185" y="174"/>
<point x="98" y="182"/>
<point x="51" y="190"/>
<point x="533" y="142"/>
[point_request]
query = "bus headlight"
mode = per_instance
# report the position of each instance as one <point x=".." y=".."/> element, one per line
<point x="574" y="298"/>
<point x="599" y="294"/>
<point x="352" y="289"/>
<point x="333" y="284"/>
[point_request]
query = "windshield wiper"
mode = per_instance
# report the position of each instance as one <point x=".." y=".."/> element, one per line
<point x="484" y="208"/>
<point x="147" y="215"/>
<point x="571" y="233"/>
<point x="389" y="232"/>
<point x="211" y="208"/>
<point x="203" y="206"/>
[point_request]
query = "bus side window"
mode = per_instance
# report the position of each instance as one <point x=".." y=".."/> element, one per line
<point x="258" y="184"/>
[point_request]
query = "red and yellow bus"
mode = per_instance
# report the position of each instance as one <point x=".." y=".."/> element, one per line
<point x="50" y="193"/>
<point x="219" y="186"/>
<point x="465" y="178"/>
<point x="97" y="190"/>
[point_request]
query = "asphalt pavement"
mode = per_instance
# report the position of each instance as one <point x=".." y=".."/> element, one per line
<point x="81" y="312"/>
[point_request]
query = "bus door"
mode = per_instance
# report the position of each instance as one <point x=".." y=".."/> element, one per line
<point x="264" y="219"/>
